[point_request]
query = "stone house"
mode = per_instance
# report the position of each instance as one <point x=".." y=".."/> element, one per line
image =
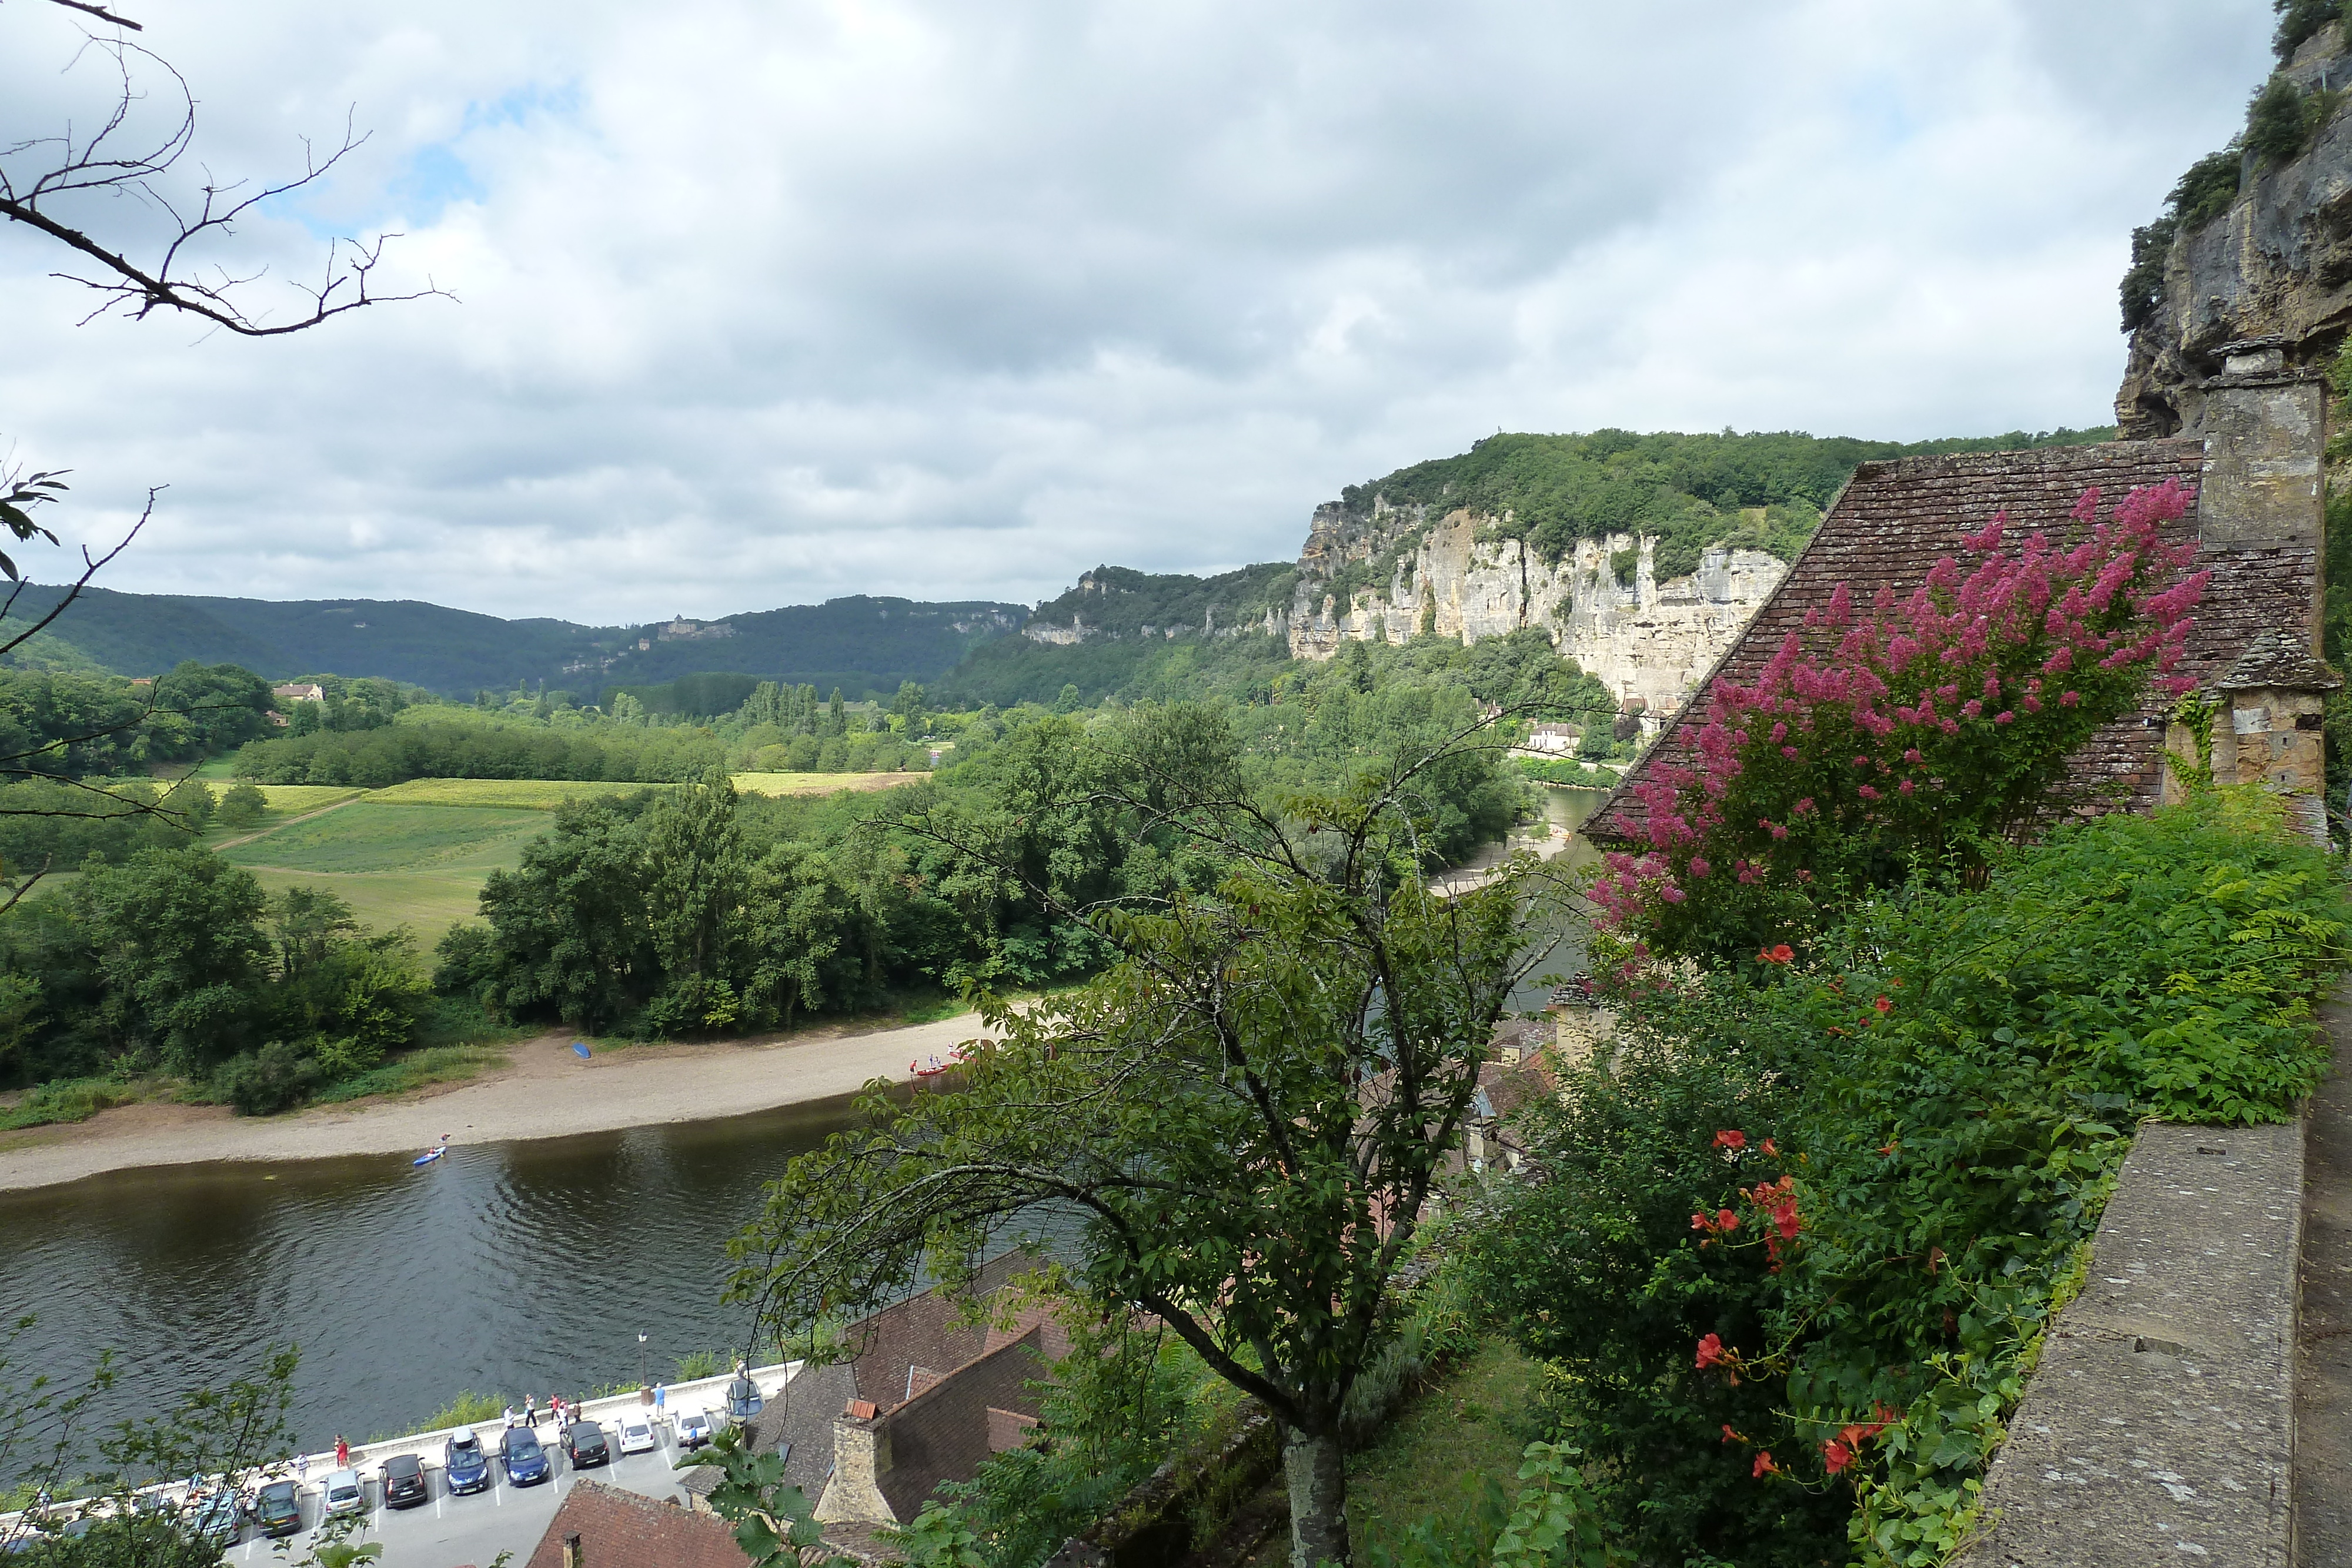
<point x="603" y="1526"/>
<point x="928" y="1395"/>
<point x="2254" y="466"/>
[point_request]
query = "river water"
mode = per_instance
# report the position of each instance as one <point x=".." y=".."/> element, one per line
<point x="507" y="1268"/>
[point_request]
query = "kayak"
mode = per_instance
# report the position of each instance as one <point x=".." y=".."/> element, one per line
<point x="428" y="1156"/>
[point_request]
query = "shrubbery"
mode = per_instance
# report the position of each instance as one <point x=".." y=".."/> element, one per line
<point x="1796" y="1240"/>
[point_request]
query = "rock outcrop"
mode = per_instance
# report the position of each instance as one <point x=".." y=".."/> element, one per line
<point x="1458" y="577"/>
<point x="2274" y="271"/>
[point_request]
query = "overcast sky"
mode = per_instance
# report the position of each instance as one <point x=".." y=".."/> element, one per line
<point x="761" y="304"/>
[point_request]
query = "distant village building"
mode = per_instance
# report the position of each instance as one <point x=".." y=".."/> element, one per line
<point x="1552" y="739"/>
<point x="300" y="692"/>
<point x="681" y="629"/>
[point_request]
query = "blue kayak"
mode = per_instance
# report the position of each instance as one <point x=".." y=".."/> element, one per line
<point x="428" y="1156"/>
<point x="580" y="1049"/>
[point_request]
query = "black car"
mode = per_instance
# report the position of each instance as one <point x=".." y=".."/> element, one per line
<point x="277" y="1509"/>
<point x="585" y="1442"/>
<point x="403" y="1481"/>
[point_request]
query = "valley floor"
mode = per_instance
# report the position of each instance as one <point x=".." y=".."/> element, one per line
<point x="545" y="1091"/>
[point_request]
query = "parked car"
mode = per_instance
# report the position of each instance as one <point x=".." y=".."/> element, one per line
<point x="403" y="1481"/>
<point x="638" y="1433"/>
<point x="277" y="1509"/>
<point x="692" y="1426"/>
<point x="583" y="1441"/>
<point x="344" y="1491"/>
<point x="526" y="1461"/>
<point x="216" y="1519"/>
<point x="464" y="1466"/>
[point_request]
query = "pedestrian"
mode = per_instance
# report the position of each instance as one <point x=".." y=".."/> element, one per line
<point x="302" y="1469"/>
<point x="555" y="1405"/>
<point x="342" y="1453"/>
<point x="530" y="1411"/>
<point x="661" y="1397"/>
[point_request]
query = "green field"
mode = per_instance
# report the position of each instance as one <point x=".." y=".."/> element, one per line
<point x="420" y="866"/>
<point x="512" y="794"/>
<point x="819" y="783"/>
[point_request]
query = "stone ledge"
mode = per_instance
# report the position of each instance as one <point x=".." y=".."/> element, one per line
<point x="2158" y="1426"/>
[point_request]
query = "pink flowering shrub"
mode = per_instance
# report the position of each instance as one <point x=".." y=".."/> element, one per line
<point x="1910" y="735"/>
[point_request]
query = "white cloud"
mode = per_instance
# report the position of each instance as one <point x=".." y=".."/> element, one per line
<point x="763" y="304"/>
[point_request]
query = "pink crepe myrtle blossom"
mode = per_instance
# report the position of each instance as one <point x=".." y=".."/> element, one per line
<point x="1887" y="688"/>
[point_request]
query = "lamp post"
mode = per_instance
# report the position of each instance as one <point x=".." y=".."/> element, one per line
<point x="641" y="1361"/>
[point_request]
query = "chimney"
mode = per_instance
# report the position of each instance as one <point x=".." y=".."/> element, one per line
<point x="2265" y="428"/>
<point x="571" y="1557"/>
<point x="861" y="1457"/>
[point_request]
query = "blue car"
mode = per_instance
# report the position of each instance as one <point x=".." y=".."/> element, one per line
<point x="464" y="1466"/>
<point x="526" y="1461"/>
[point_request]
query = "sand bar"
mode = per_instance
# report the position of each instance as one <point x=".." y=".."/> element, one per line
<point x="546" y="1091"/>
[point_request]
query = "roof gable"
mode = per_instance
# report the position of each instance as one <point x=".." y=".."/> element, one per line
<point x="1895" y="519"/>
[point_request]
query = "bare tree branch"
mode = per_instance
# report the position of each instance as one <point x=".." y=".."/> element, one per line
<point x="41" y="175"/>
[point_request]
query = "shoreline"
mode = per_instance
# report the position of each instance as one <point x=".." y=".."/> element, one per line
<point x="544" y="1092"/>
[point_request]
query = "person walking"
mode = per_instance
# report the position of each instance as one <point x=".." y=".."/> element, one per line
<point x="302" y="1469"/>
<point x="530" y="1411"/>
<point x="342" y="1453"/>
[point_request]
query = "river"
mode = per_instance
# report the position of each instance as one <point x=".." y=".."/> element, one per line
<point x="508" y="1267"/>
<point x="516" y="1268"/>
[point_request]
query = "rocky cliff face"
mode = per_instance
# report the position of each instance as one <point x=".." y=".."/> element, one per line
<point x="1453" y="576"/>
<point x="2275" y="269"/>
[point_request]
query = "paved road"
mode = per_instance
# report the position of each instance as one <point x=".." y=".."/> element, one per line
<point x="450" y="1532"/>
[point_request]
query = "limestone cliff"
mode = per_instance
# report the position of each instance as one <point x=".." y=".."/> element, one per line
<point x="2272" y="268"/>
<point x="1458" y="575"/>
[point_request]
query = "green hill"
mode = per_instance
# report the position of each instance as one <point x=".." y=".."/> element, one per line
<point x="859" y="644"/>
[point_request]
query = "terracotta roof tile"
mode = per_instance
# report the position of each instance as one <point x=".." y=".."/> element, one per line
<point x="1895" y="519"/>
<point x="622" y="1529"/>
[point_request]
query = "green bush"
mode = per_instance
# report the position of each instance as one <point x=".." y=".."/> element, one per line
<point x="241" y="805"/>
<point x="276" y="1078"/>
<point x="68" y="1100"/>
<point x="1798" y="1240"/>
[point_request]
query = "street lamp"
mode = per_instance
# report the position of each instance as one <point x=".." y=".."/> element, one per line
<point x="641" y="1361"/>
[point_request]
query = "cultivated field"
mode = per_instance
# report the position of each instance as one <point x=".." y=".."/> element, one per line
<point x="513" y="794"/>
<point x="421" y="866"/>
<point x="819" y="783"/>
<point x="418" y="853"/>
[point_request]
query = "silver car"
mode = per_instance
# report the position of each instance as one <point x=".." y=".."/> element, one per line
<point x="344" y="1492"/>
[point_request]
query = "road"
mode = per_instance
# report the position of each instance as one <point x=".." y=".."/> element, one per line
<point x="450" y="1532"/>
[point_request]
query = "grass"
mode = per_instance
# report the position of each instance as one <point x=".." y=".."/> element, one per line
<point x="293" y="799"/>
<point x="509" y="794"/>
<point x="1442" y="1446"/>
<point x="819" y="783"/>
<point x="416" y="1070"/>
<point x="372" y="836"/>
<point x="69" y="1100"/>
<point x="419" y="866"/>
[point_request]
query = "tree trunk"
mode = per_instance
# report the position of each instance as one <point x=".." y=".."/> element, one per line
<point x="1317" y="1473"/>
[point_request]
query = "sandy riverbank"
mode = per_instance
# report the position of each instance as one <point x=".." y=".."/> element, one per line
<point x="545" y="1091"/>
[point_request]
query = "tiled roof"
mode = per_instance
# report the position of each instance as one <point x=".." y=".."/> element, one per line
<point x="622" y="1529"/>
<point x="943" y="1432"/>
<point x="1895" y="519"/>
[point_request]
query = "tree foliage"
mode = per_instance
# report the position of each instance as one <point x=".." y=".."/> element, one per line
<point x="1285" y="1052"/>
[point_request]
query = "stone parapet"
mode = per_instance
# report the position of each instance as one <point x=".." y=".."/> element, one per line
<point x="2159" y="1424"/>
